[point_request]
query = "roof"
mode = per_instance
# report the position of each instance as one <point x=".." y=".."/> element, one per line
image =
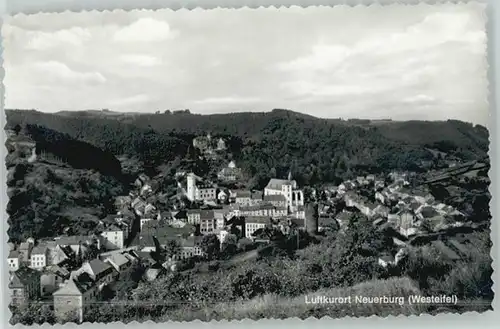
<point x="97" y="266"/>
<point x="258" y="207"/>
<point x="14" y="254"/>
<point x="206" y="186"/>
<point x="73" y="240"/>
<point x="274" y="197"/>
<point x="257" y="219"/>
<point x="56" y="269"/>
<point x="112" y="228"/>
<point x="190" y="241"/>
<point x="70" y="288"/>
<point x="24" y="245"/>
<point x="207" y="214"/>
<point x="257" y="195"/>
<point x="39" y="250"/>
<point x="118" y="259"/>
<point x="22" y="277"/>
<point x="277" y="184"/>
<point x="243" y="194"/>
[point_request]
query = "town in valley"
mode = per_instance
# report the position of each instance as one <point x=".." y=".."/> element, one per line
<point x="209" y="223"/>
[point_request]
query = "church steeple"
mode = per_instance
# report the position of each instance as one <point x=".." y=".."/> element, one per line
<point x="290" y="175"/>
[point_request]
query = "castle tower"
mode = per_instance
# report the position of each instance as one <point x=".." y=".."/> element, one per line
<point x="312" y="217"/>
<point x="191" y="187"/>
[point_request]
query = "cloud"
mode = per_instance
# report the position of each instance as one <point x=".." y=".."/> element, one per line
<point x="63" y="74"/>
<point x="133" y="100"/>
<point x="140" y="60"/>
<point x="145" y="30"/>
<point x="420" y="99"/>
<point x="74" y="37"/>
<point x="227" y="100"/>
<point x="322" y="57"/>
<point x="405" y="62"/>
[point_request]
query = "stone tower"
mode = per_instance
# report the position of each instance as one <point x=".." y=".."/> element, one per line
<point x="191" y="187"/>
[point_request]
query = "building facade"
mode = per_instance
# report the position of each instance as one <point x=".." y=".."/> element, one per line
<point x="287" y="188"/>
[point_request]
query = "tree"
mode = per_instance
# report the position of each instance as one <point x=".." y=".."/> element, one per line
<point x="172" y="248"/>
<point x="230" y="246"/>
<point x="17" y="129"/>
<point x="210" y="245"/>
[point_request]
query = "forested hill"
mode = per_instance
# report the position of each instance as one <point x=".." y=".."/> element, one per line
<point x="253" y="123"/>
<point x="77" y="154"/>
<point x="318" y="149"/>
<point x="109" y="134"/>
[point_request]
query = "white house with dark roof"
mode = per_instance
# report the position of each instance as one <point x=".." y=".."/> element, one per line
<point x="120" y="262"/>
<point x="114" y="237"/>
<point x="289" y="189"/>
<point x="14" y="260"/>
<point x="39" y="257"/>
<point x="253" y="223"/>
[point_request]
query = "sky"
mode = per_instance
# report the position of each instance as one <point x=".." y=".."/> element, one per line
<point x="424" y="62"/>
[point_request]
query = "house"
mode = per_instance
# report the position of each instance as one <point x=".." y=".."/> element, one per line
<point x="220" y="218"/>
<point x="100" y="272"/>
<point x="39" y="257"/>
<point x="120" y="262"/>
<point x="231" y="173"/>
<point x="207" y="222"/>
<point x="14" y="260"/>
<point x="199" y="192"/>
<point x="191" y="247"/>
<point x="80" y="244"/>
<point x="222" y="236"/>
<point x="60" y="254"/>
<point x="277" y="200"/>
<point x="24" y="285"/>
<point x="223" y="196"/>
<point x="406" y="223"/>
<point x="289" y="189"/>
<point x="72" y="300"/>
<point x="221" y="145"/>
<point x="253" y="223"/>
<point x="386" y="260"/>
<point x="194" y="216"/>
<point x="299" y="213"/>
<point x="263" y="210"/>
<point x="243" y="197"/>
<point x="114" y="237"/>
<point x="52" y="278"/>
<point x="25" y="251"/>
